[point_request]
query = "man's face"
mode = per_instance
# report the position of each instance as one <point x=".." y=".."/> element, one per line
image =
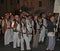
<point x="35" y="17"/>
<point x="10" y="14"/>
<point x="23" y="20"/>
<point x="40" y="20"/>
<point x="52" y="19"/>
<point x="43" y="15"/>
<point x="12" y="17"/>
<point x="17" y="17"/>
<point x="29" y="17"/>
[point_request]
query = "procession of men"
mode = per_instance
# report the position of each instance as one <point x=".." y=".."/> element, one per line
<point x="16" y="29"/>
<point x="26" y="30"/>
<point x="29" y="29"/>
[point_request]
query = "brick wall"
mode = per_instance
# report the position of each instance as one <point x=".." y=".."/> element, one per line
<point x="28" y="3"/>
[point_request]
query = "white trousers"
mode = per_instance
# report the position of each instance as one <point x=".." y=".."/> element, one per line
<point x="30" y="37"/>
<point x="7" y="37"/>
<point x="16" y="40"/>
<point x="42" y="35"/>
<point x="11" y="35"/>
<point x="51" y="42"/>
<point x="25" y="37"/>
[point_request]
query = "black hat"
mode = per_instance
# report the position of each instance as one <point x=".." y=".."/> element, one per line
<point x="0" y="18"/>
<point x="23" y="17"/>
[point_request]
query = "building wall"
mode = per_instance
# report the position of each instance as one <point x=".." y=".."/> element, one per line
<point x="10" y="5"/>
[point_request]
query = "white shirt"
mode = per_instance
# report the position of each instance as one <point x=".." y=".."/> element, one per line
<point x="44" y="22"/>
<point x="8" y="24"/>
<point x="23" y="28"/>
<point x="29" y="25"/>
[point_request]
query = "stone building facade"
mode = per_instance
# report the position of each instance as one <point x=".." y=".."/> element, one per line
<point x="10" y="5"/>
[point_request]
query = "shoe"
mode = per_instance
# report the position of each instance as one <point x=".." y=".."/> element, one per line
<point x="22" y="50"/>
<point x="46" y="50"/>
<point x="51" y="50"/>
<point x="29" y="50"/>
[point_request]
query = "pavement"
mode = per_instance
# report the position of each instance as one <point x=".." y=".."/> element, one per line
<point x="42" y="46"/>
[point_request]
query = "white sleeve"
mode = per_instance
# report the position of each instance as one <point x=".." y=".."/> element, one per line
<point x="18" y="27"/>
<point x="32" y="23"/>
<point x="12" y="24"/>
<point x="3" y="23"/>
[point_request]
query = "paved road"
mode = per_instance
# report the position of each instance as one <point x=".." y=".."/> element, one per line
<point x="41" y="47"/>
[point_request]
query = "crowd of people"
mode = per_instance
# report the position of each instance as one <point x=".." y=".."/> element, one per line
<point x="31" y="28"/>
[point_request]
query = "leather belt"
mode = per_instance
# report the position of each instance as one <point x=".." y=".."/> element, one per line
<point x="38" y="29"/>
<point x="15" y="31"/>
<point x="24" y="33"/>
<point x="30" y="27"/>
<point x="30" y="33"/>
<point x="8" y="28"/>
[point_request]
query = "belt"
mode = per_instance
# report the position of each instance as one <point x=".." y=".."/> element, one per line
<point x="8" y="28"/>
<point x="30" y="33"/>
<point x="15" y="31"/>
<point x="51" y="32"/>
<point x="24" y="33"/>
<point x="30" y="27"/>
<point x="38" y="29"/>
